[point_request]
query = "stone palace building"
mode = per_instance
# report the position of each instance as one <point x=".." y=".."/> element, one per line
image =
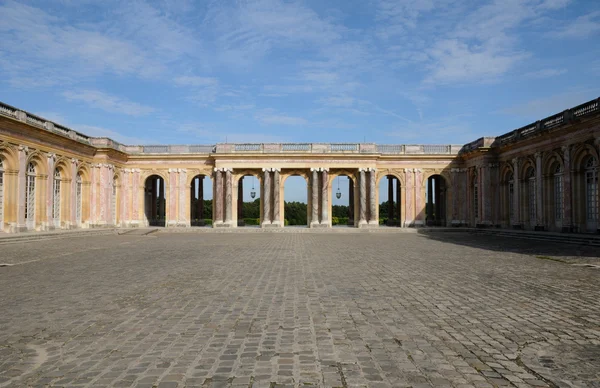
<point x="543" y="176"/>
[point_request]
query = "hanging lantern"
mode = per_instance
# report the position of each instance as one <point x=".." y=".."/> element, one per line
<point x="253" y="192"/>
<point x="338" y="195"/>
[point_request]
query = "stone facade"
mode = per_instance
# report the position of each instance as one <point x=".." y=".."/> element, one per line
<point x="543" y="176"/>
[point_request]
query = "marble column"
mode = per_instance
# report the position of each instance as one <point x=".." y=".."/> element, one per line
<point x="153" y="204"/>
<point x="350" y="202"/>
<point x="567" y="222"/>
<point x="73" y="194"/>
<point x="240" y="202"/>
<point x="409" y="216"/>
<point x="49" y="219"/>
<point x="373" y="216"/>
<point x="314" y="220"/>
<point x="390" y="200"/>
<point x="276" y="197"/>
<point x="193" y="212"/>
<point x="485" y="194"/>
<point x="516" y="193"/>
<point x="200" y="202"/>
<point x="267" y="197"/>
<point x="21" y="197"/>
<point x="419" y="198"/>
<point x="325" y="197"/>
<point x="228" y="197"/>
<point x="218" y="199"/>
<point x="362" y="207"/>
<point x="161" y="201"/>
<point x="398" y="202"/>
<point x="429" y="206"/>
<point x="539" y="216"/>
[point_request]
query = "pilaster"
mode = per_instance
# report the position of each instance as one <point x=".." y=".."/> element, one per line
<point x="218" y="198"/>
<point x="48" y="221"/>
<point x="419" y="198"/>
<point x="325" y="197"/>
<point x="567" y="223"/>
<point x="516" y="194"/>
<point x="21" y="197"/>
<point x="277" y="221"/>
<point x="373" y="216"/>
<point x="409" y="214"/>
<point x="539" y="209"/>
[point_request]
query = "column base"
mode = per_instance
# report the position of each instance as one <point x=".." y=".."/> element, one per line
<point x="367" y="225"/>
<point x="224" y="225"/>
<point x="271" y="225"/>
<point x="418" y="223"/>
<point x="317" y="225"/>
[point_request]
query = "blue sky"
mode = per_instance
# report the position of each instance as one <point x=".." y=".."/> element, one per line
<point x="384" y="71"/>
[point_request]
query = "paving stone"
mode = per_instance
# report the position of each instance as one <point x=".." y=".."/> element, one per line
<point x="298" y="310"/>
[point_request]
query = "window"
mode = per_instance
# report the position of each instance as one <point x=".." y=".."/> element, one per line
<point x="30" y="193"/>
<point x="56" y="195"/>
<point x="78" y="198"/>
<point x="591" y="189"/>
<point x="558" y="192"/>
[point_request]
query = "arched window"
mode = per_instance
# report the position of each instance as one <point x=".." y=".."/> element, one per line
<point x="475" y="195"/>
<point x="558" y="192"/>
<point x="30" y="193"/>
<point x="56" y="196"/>
<point x="1" y="193"/>
<point x="511" y="196"/>
<point x="530" y="176"/>
<point x="591" y="189"/>
<point x="78" y="199"/>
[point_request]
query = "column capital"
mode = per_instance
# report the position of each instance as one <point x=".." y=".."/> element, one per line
<point x="516" y="161"/>
<point x="51" y="156"/>
<point x="538" y="154"/>
<point x="24" y="149"/>
<point x="75" y="161"/>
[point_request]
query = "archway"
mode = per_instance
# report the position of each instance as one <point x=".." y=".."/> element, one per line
<point x="295" y="201"/>
<point x="390" y="209"/>
<point x="248" y="201"/>
<point x="342" y="201"/>
<point x="201" y="196"/>
<point x="154" y="200"/>
<point x="435" y="193"/>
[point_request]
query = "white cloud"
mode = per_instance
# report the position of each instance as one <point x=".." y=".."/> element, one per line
<point x="270" y="117"/>
<point x="455" y="62"/>
<point x="107" y="102"/>
<point x="95" y="131"/>
<point x="195" y="81"/>
<point x="545" y="73"/>
<point x="543" y="107"/>
<point x="582" y="27"/>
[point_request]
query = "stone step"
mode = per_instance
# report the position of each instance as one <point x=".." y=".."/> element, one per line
<point x="565" y="238"/>
<point x="35" y="236"/>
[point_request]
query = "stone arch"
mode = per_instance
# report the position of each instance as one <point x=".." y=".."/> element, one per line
<point x="155" y="201"/>
<point x="507" y="196"/>
<point x="82" y="195"/>
<point x="196" y="210"/>
<point x="585" y="170"/>
<point x="353" y="193"/>
<point x="35" y="198"/>
<point x="237" y="199"/>
<point x="552" y="190"/>
<point x="397" y="218"/>
<point x="10" y="156"/>
<point x="285" y="174"/>
<point x="59" y="181"/>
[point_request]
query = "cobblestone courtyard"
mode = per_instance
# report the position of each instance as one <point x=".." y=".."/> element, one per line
<point x="298" y="310"/>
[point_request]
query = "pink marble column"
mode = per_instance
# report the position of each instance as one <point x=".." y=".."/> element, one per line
<point x="94" y="182"/>
<point x="314" y="220"/>
<point x="539" y="209"/>
<point x="485" y="193"/>
<point x="373" y="216"/>
<point x="567" y="190"/>
<point x="410" y="197"/>
<point x="362" y="208"/>
<point x="21" y="223"/>
<point x="455" y="197"/>
<point x="419" y="198"/>
<point x="228" y="197"/>
<point x="135" y="195"/>
<point x="49" y="219"/>
<point x="183" y="219"/>
<point x="325" y="197"/>
<point x="276" y="199"/>
<point x="218" y="216"/>
<point x="172" y="198"/>
<point x="267" y="196"/>
<point x="73" y="191"/>
<point x="517" y="192"/>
